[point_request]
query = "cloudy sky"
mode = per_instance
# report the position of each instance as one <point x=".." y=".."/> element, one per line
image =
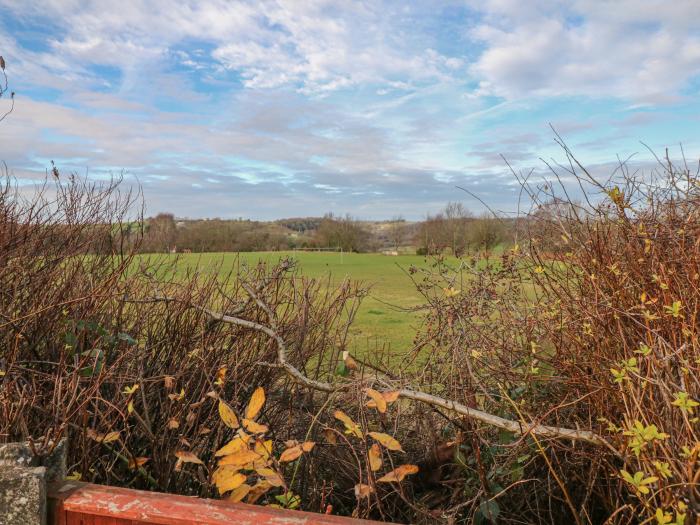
<point x="293" y="108"/>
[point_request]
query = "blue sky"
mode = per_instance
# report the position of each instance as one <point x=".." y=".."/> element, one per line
<point x="290" y="108"/>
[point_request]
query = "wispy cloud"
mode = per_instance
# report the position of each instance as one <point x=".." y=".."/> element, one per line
<point x="275" y="108"/>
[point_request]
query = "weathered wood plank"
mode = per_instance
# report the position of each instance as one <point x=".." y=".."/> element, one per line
<point x="141" y="507"/>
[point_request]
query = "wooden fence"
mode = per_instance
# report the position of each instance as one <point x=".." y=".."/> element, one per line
<point x="75" y="503"/>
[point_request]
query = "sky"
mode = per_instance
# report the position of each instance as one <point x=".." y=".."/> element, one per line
<point x="276" y="109"/>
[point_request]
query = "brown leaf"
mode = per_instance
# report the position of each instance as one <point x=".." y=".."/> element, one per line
<point x="379" y="401"/>
<point x="169" y="382"/>
<point x="330" y="436"/>
<point x="228" y="416"/>
<point x="306" y="446"/>
<point x="290" y="454"/>
<point x="255" y="428"/>
<point x="271" y="476"/>
<point x="173" y="423"/>
<point x="257" y="400"/>
<point x="111" y="436"/>
<point x="390" y="397"/>
<point x="387" y="441"/>
<point x="398" y="474"/>
<point x="363" y="491"/>
<point x="375" y="457"/>
<point x="188" y="457"/>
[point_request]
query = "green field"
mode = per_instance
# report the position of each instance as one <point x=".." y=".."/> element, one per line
<point x="380" y="319"/>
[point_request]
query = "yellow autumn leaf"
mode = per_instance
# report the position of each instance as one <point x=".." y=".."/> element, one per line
<point x="239" y="493"/>
<point x="290" y="454"/>
<point x="235" y="445"/>
<point x="264" y="448"/>
<point x="177" y="397"/>
<point x="255" y="428"/>
<point x="257" y="400"/>
<point x="375" y="457"/>
<point x="350" y="426"/>
<point x="111" y="436"/>
<point x="363" y="491"/>
<point x="128" y="390"/>
<point x="386" y="441"/>
<point x="239" y="458"/>
<point x="130" y="407"/>
<point x="229" y="480"/>
<point x="257" y="490"/>
<point x="398" y="474"/>
<point x="379" y="401"/>
<point x="228" y="416"/>
<point x="185" y="456"/>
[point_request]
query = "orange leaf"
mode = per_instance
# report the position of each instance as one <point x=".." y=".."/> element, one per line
<point x="290" y="454"/>
<point x="239" y="493"/>
<point x="379" y="401"/>
<point x="398" y="474"/>
<point x="363" y="491"/>
<point x="260" y="488"/>
<point x="228" y="416"/>
<point x="135" y="463"/>
<point x="306" y="446"/>
<point x="271" y="476"/>
<point x="255" y="428"/>
<point x="173" y="423"/>
<point x="257" y="400"/>
<point x="375" y="457"/>
<point x="387" y="441"/>
<point x="390" y="397"/>
<point x="188" y="457"/>
<point x="264" y="448"/>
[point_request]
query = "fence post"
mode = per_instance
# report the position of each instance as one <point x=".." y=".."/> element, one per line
<point x="23" y="480"/>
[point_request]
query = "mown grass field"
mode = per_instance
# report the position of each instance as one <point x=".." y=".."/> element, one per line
<point x="380" y="320"/>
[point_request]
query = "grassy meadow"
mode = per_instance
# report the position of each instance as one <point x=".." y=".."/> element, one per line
<point x="380" y="320"/>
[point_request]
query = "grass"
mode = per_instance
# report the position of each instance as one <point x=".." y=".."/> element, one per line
<point x="380" y="320"/>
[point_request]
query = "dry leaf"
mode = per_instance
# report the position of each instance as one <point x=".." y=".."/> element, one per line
<point x="390" y="397"/>
<point x="260" y="488"/>
<point x="271" y="476"/>
<point x="111" y="436"/>
<point x="240" y="458"/>
<point x="398" y="474"/>
<point x="228" y="416"/>
<point x="135" y="463"/>
<point x="221" y="375"/>
<point x="375" y="457"/>
<point x="363" y="491"/>
<point x="229" y="479"/>
<point x="255" y="428"/>
<point x="257" y="400"/>
<point x="263" y="448"/>
<point x="239" y="493"/>
<point x="306" y="446"/>
<point x="177" y="397"/>
<point x="235" y="445"/>
<point x="387" y="441"/>
<point x="169" y="382"/>
<point x="330" y="436"/>
<point x="379" y="401"/>
<point x="290" y="454"/>
<point x="173" y="423"/>
<point x="350" y="426"/>
<point x="204" y="431"/>
<point x="187" y="457"/>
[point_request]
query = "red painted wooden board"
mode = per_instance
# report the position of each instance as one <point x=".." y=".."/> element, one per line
<point x="76" y="503"/>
